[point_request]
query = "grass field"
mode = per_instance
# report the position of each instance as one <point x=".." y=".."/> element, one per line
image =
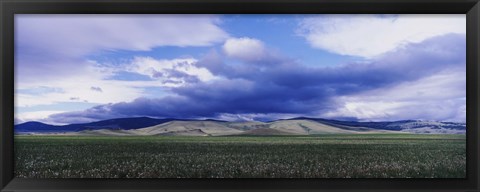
<point x="325" y="156"/>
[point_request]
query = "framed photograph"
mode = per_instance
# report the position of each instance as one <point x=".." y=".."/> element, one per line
<point x="264" y="95"/>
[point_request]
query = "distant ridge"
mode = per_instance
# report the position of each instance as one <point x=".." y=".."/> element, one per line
<point x="212" y="127"/>
<point x="36" y="126"/>
<point x="113" y="124"/>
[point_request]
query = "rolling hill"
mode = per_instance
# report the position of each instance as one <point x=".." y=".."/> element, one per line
<point x="218" y="128"/>
<point x="204" y="127"/>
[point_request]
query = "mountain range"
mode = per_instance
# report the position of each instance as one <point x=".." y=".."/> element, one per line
<point x="210" y="127"/>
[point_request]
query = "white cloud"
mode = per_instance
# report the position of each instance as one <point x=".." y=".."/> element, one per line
<point x="50" y="46"/>
<point x="161" y="69"/>
<point x="371" y="35"/>
<point x="112" y="91"/>
<point x="79" y="86"/>
<point x="439" y="97"/>
<point x="80" y="89"/>
<point x="82" y="34"/>
<point x="247" y="49"/>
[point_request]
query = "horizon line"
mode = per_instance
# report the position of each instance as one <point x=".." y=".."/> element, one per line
<point x="214" y="119"/>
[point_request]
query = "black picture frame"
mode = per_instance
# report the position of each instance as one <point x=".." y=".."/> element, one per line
<point x="9" y="8"/>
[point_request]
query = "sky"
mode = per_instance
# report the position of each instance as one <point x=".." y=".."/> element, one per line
<point x="85" y="68"/>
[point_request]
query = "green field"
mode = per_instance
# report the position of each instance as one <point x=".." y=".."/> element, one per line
<point x="325" y="156"/>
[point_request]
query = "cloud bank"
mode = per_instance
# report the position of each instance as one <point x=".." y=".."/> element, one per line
<point x="415" y="81"/>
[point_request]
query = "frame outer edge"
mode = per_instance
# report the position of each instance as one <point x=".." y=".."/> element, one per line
<point x="476" y="48"/>
<point x="2" y="110"/>
<point x="6" y="76"/>
<point x="6" y="100"/>
<point x="473" y="61"/>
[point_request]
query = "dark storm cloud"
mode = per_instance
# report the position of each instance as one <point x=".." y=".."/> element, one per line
<point x="208" y="100"/>
<point x="288" y="87"/>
